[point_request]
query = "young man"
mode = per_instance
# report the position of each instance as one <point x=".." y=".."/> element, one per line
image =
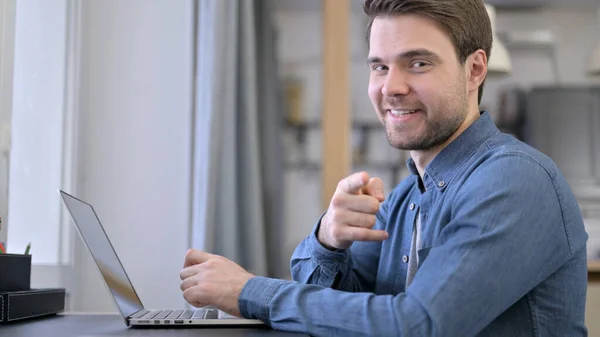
<point x="484" y="238"/>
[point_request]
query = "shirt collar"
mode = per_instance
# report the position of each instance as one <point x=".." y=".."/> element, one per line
<point x="442" y="168"/>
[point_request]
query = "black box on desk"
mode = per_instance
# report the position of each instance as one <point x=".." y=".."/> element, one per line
<point x="15" y="272"/>
<point x="19" y="305"/>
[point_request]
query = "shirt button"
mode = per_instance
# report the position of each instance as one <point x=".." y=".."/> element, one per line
<point x="442" y="183"/>
<point x="412" y="206"/>
<point x="404" y="258"/>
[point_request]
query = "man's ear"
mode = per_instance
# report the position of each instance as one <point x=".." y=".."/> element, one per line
<point x="476" y="69"/>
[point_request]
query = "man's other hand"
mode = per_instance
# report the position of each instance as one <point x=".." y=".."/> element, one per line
<point x="209" y="279"/>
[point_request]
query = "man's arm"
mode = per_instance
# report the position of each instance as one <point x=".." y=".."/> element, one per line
<point x="506" y="237"/>
<point x="353" y="270"/>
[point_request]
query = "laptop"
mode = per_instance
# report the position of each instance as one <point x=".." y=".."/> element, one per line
<point x="121" y="289"/>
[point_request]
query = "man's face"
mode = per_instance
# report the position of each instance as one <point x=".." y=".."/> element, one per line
<point x="417" y="85"/>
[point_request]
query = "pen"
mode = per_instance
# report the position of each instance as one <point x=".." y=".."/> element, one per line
<point x="27" y="249"/>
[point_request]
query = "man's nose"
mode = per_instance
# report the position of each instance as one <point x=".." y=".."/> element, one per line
<point x="395" y="84"/>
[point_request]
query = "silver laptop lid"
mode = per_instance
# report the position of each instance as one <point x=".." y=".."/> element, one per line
<point x="104" y="255"/>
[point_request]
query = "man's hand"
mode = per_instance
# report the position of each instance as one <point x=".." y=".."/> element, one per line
<point x="209" y="279"/>
<point x="351" y="213"/>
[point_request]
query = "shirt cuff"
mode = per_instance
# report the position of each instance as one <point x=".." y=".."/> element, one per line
<point x="325" y="256"/>
<point x="256" y="296"/>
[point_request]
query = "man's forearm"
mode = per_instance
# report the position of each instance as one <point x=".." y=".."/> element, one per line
<point x="320" y="311"/>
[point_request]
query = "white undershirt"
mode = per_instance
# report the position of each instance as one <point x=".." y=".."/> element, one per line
<point x="413" y="258"/>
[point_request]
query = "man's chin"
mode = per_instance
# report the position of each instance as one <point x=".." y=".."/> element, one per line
<point x="399" y="140"/>
<point x="410" y="145"/>
<point x="407" y="146"/>
<point x="417" y="145"/>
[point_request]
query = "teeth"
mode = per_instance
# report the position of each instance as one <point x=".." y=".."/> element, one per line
<point x="402" y="112"/>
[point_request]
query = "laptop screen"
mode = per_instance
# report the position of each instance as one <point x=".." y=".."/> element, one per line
<point x="104" y="255"/>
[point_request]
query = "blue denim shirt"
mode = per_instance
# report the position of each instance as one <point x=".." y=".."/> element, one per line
<point x="503" y="254"/>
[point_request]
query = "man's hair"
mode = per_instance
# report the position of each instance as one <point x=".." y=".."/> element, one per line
<point x="465" y="21"/>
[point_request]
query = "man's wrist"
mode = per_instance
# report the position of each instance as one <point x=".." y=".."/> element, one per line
<point x="324" y="257"/>
<point x="321" y="238"/>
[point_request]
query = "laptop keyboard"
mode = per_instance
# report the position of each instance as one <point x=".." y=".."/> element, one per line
<point x="178" y="314"/>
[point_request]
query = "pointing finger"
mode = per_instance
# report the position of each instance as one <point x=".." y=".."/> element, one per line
<point x="353" y="183"/>
<point x="374" y="188"/>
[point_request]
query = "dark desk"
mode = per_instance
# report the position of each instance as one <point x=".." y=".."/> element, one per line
<point x="594" y="271"/>
<point x="91" y="325"/>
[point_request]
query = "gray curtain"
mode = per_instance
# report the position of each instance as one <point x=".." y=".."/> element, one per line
<point x="238" y="169"/>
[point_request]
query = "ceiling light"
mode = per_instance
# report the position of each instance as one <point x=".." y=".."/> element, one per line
<point x="499" y="60"/>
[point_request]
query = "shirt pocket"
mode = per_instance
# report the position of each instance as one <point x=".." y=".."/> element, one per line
<point x="422" y="254"/>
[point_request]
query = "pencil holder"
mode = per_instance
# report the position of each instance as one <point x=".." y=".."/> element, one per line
<point x="15" y="272"/>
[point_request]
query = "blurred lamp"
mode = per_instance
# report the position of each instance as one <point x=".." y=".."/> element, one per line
<point x="594" y="65"/>
<point x="499" y="60"/>
<point x="594" y="62"/>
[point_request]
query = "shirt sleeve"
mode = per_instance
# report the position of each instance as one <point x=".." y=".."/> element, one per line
<point x="506" y="235"/>
<point x="352" y="270"/>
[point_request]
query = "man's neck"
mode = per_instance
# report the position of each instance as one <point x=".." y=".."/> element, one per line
<point x="423" y="157"/>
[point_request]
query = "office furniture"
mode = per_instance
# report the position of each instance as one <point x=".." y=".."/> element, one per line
<point x="97" y="325"/>
<point x="594" y="271"/>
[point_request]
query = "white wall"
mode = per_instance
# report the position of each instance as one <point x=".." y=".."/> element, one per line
<point x="37" y="124"/>
<point x="135" y="109"/>
<point x="102" y="108"/>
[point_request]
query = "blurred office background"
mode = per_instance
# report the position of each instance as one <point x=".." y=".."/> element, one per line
<point x="199" y="124"/>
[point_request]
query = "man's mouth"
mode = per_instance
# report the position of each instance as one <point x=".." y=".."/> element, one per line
<point x="402" y="112"/>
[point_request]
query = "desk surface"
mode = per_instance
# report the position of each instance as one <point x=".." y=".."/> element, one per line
<point x="91" y="325"/>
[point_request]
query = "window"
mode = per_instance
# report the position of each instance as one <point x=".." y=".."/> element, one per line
<point x="40" y="128"/>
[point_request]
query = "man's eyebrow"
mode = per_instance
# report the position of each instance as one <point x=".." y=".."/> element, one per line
<point x="407" y="54"/>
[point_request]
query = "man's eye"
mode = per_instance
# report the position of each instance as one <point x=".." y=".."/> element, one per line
<point x="418" y="64"/>
<point x="379" y="67"/>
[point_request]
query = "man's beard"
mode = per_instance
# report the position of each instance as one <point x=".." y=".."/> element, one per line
<point x="437" y="132"/>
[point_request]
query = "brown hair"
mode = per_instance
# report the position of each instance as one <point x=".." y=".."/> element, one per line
<point x="465" y="21"/>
